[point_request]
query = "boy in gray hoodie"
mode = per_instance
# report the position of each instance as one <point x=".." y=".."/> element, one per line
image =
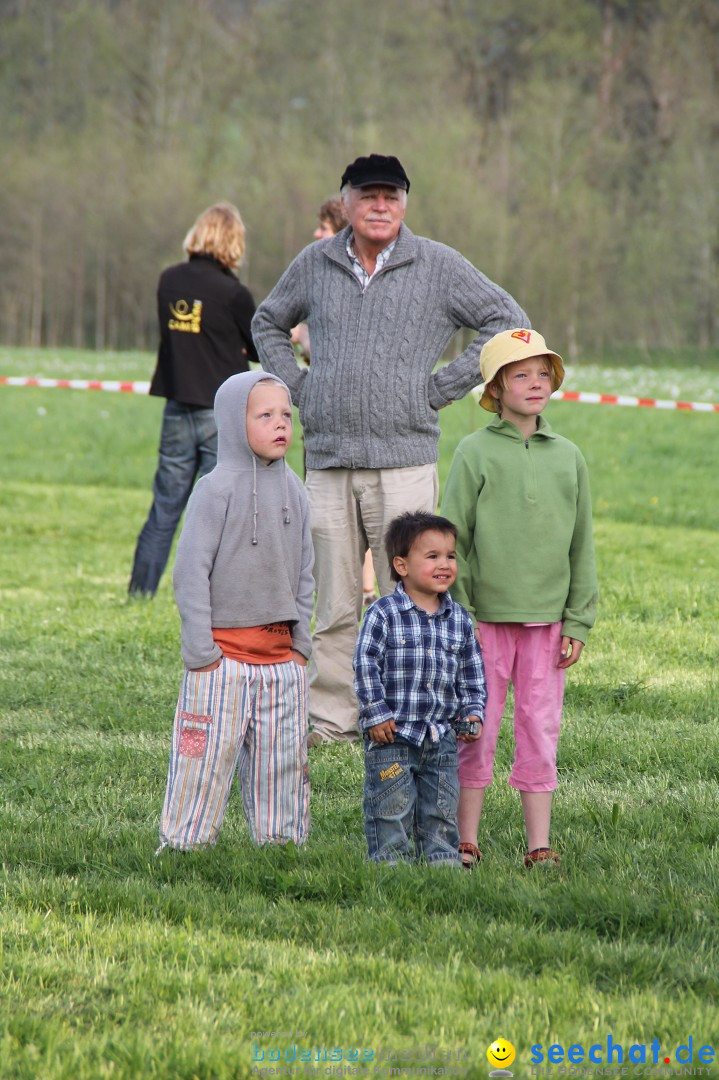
<point x="244" y="588"/>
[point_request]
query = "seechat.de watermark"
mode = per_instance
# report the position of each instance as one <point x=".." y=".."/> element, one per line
<point x="610" y="1058"/>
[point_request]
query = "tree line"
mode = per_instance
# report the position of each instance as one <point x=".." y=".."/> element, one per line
<point x="569" y="148"/>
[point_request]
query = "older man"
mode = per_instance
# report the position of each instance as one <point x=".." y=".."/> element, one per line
<point x="381" y="305"/>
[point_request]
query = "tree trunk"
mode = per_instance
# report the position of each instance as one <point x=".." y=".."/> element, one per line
<point x="101" y="295"/>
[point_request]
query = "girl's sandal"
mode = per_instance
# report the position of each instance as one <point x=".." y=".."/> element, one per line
<point x="470" y="853"/>
<point x="541" y="855"/>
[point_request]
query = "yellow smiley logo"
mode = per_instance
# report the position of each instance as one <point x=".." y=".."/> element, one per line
<point x="500" y="1053"/>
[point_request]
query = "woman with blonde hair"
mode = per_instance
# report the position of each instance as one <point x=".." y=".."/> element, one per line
<point x="205" y="315"/>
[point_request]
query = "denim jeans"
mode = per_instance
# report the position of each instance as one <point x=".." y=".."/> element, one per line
<point x="410" y="797"/>
<point x="188" y="448"/>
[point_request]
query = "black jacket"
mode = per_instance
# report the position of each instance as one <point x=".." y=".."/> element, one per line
<point x="205" y="315"/>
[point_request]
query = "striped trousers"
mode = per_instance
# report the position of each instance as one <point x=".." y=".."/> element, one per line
<point x="245" y="718"/>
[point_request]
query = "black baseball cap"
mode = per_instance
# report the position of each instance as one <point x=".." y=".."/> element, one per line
<point x="375" y="169"/>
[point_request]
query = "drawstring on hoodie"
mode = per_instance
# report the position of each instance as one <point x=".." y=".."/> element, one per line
<point x="254" y="501"/>
<point x="286" y="506"/>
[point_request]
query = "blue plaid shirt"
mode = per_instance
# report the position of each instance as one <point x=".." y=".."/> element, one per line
<point x="419" y="669"/>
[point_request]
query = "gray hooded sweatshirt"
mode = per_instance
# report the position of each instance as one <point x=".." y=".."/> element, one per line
<point x="245" y="555"/>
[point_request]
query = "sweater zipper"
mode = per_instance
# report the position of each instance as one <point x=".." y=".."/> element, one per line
<point x="532" y="485"/>
<point x="353" y="366"/>
<point x="352" y="274"/>
<point x="374" y="277"/>
<point x="350" y="271"/>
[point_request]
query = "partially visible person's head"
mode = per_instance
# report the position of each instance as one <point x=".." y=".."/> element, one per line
<point x="407" y="531"/>
<point x="269" y="420"/>
<point x="509" y="348"/>
<point x="331" y="218"/>
<point x="219" y="232"/>
<point x="374" y="197"/>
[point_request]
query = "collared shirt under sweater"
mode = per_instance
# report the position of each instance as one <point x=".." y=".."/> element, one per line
<point x="362" y="275"/>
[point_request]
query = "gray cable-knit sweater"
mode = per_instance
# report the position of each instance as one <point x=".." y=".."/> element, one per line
<point x="369" y="399"/>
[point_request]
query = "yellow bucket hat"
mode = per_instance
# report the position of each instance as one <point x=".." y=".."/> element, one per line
<point x="506" y="348"/>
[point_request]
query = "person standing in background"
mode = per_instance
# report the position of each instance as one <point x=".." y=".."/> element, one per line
<point x="331" y="218"/>
<point x="205" y="316"/>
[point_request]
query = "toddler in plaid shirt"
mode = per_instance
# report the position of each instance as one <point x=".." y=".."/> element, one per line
<point x="420" y="684"/>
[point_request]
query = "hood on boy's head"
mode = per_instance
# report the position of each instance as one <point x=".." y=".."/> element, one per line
<point x="233" y="449"/>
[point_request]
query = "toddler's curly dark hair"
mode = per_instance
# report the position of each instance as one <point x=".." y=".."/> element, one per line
<point x="402" y="532"/>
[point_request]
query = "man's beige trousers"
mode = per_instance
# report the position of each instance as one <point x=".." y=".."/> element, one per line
<point x="350" y="510"/>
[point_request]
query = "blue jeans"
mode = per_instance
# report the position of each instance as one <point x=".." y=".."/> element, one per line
<point x="411" y="795"/>
<point x="188" y="448"/>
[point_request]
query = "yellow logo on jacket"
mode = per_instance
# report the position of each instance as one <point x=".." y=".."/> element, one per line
<point x="183" y="319"/>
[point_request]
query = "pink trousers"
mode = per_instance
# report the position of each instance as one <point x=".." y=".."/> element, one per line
<point x="528" y="657"/>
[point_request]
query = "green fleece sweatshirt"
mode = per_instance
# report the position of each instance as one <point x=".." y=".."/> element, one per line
<point x="523" y="512"/>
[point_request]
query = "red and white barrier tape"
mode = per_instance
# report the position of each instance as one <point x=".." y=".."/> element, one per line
<point x="641" y="402"/>
<point x="622" y="399"/>
<point x="75" y="384"/>
<point x="558" y="395"/>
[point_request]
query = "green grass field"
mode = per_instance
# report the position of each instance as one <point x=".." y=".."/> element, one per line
<point x="117" y="964"/>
